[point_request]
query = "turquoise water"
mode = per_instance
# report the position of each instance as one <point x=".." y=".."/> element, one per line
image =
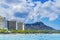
<point x="29" y="36"/>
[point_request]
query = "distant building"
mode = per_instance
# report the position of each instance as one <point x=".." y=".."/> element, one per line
<point x="2" y="22"/>
<point x="11" y="25"/>
<point x="20" y="26"/>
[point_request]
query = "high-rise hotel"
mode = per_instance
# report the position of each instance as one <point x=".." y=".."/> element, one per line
<point x="11" y="25"/>
<point x="3" y="23"/>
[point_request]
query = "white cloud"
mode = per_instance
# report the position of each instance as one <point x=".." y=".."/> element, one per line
<point x="34" y="9"/>
<point x="57" y="4"/>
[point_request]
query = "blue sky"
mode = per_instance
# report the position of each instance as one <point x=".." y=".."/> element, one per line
<point x="30" y="11"/>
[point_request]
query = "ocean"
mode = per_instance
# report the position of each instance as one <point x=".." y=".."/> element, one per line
<point x="29" y="36"/>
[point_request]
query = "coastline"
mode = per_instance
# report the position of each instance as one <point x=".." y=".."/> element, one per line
<point x="31" y="34"/>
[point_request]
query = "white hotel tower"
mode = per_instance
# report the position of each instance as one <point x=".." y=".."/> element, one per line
<point x="19" y="26"/>
<point x="3" y="23"/>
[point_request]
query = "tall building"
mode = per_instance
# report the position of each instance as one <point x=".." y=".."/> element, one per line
<point x="20" y="26"/>
<point x="2" y="22"/>
<point x="11" y="25"/>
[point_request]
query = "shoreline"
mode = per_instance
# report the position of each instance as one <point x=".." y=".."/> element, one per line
<point x="29" y="33"/>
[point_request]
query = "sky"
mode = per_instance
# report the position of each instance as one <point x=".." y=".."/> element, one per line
<point x="30" y="11"/>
